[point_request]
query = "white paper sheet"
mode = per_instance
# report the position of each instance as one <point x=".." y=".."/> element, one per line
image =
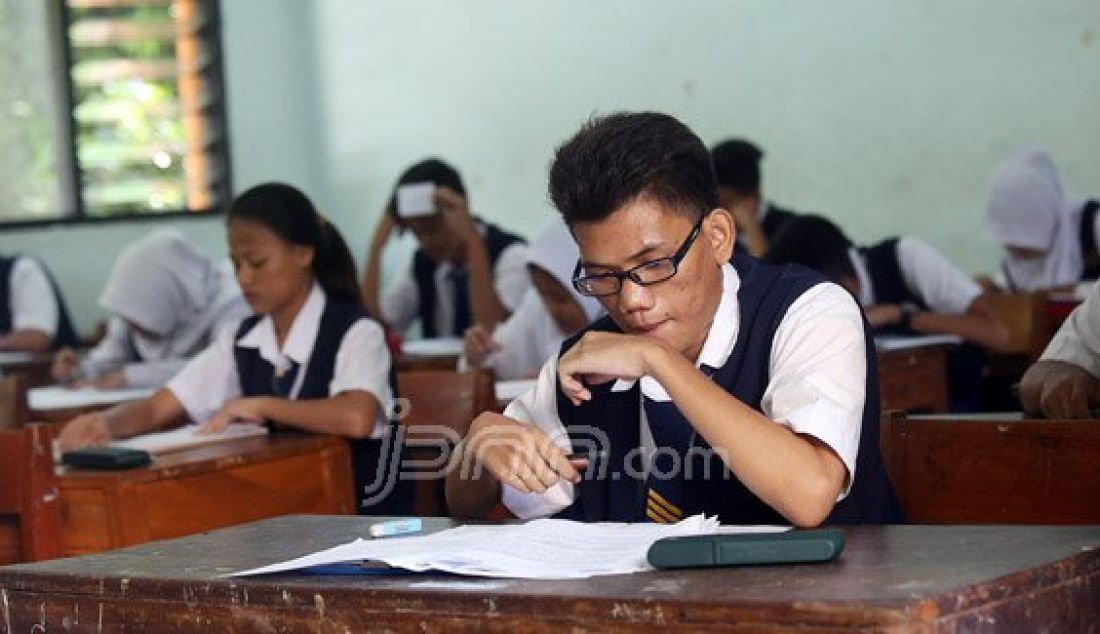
<point x="439" y="347"/>
<point x="54" y="397"/>
<point x="888" y="343"/>
<point x="185" y="438"/>
<point x="10" y="357"/>
<point x="509" y="390"/>
<point x="540" y="549"/>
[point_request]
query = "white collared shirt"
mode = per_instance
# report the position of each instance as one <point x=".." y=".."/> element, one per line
<point x="817" y="369"/>
<point x="1078" y="339"/>
<point x="400" y="304"/>
<point x="926" y="273"/>
<point x="362" y="362"/>
<point x="31" y="298"/>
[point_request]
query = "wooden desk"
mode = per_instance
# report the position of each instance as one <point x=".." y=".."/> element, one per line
<point x="994" y="468"/>
<point x="901" y="578"/>
<point x="914" y="379"/>
<point x="204" y="488"/>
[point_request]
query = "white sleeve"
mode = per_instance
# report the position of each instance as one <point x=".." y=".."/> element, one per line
<point x="152" y="373"/>
<point x="942" y="286"/>
<point x="208" y="380"/>
<point x="111" y="353"/>
<point x="818" y="370"/>
<point x="363" y="363"/>
<point x="33" y="303"/>
<point x="539" y="407"/>
<point x="400" y="302"/>
<point x="520" y="354"/>
<point x="1078" y="340"/>
<point x="510" y="276"/>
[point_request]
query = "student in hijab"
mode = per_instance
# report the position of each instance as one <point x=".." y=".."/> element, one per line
<point x="167" y="302"/>
<point x="549" y="312"/>
<point x="1049" y="235"/>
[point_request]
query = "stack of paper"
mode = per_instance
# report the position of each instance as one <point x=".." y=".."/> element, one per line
<point x="887" y="343"/>
<point x="185" y="438"/>
<point x="55" y="397"/>
<point x="541" y="549"/>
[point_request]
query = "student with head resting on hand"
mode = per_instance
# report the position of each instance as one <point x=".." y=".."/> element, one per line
<point x="1065" y="381"/>
<point x="738" y="389"/>
<point x="465" y="271"/>
<point x="309" y="359"/>
<point x="167" y="301"/>
<point x="550" y="311"/>
<point x="737" y="167"/>
<point x="1049" y="236"/>
<point x="33" y="315"/>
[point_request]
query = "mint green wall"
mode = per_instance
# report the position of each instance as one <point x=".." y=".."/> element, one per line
<point x="886" y="116"/>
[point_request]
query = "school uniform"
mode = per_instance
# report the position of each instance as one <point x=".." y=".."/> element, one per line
<point x="1078" y="339"/>
<point x="331" y="347"/>
<point x="165" y="286"/>
<point x="907" y="270"/>
<point x="436" y="293"/>
<point x="30" y="300"/>
<point x="783" y="341"/>
<point x="530" y="335"/>
<point x="1029" y="208"/>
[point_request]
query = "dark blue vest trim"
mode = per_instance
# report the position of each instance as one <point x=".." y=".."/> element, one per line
<point x="1090" y="253"/>
<point x="496" y="241"/>
<point x="614" y="495"/>
<point x="256" y="375"/>
<point x="887" y="282"/>
<point x="65" y="334"/>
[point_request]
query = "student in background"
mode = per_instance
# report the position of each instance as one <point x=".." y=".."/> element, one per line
<point x="767" y="366"/>
<point x="309" y="359"/>
<point x="551" y="311"/>
<point x="1065" y="381"/>
<point x="737" y="167"/>
<point x="33" y="316"/>
<point x="465" y="270"/>
<point x="167" y="302"/>
<point x="1049" y="236"/>
<point x="905" y="287"/>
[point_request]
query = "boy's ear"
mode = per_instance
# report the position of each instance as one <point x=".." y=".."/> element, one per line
<point x="720" y="232"/>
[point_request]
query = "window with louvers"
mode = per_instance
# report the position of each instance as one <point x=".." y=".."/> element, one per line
<point x="147" y="103"/>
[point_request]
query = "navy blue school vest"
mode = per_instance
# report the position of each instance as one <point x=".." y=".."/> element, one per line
<point x="887" y="283"/>
<point x="64" y="334"/>
<point x="496" y="241"/>
<point x="256" y="377"/>
<point x="765" y="294"/>
<point x="1090" y="252"/>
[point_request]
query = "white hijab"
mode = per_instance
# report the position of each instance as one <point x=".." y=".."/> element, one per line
<point x="162" y="283"/>
<point x="1029" y="208"/>
<point x="555" y="252"/>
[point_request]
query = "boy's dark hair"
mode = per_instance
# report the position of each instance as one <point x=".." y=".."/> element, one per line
<point x="430" y="170"/>
<point x="289" y="214"/>
<point x="616" y="158"/>
<point x="815" y="242"/>
<point x="737" y="165"/>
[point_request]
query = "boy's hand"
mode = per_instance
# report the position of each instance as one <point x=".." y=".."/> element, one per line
<point x="84" y="431"/>
<point x="600" y="357"/>
<point x="518" y="454"/>
<point x="478" y="344"/>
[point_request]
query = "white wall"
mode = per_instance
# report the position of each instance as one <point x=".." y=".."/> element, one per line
<point x="886" y="116"/>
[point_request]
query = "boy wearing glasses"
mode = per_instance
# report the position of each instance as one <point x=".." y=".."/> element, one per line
<point x="733" y="389"/>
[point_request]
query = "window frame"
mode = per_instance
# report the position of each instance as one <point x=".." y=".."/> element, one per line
<point x="70" y="180"/>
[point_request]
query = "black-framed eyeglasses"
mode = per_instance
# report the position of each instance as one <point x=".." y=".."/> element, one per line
<point x="644" y="274"/>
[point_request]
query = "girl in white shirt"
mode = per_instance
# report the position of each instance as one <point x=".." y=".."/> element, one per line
<point x="168" y="301"/>
<point x="549" y="312"/>
<point x="309" y="359"/>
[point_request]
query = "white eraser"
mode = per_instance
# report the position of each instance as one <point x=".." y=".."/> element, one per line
<point x="416" y="199"/>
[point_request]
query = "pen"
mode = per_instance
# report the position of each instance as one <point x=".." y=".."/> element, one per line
<point x="395" y="527"/>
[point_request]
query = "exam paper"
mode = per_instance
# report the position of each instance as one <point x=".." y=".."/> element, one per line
<point x="54" y="397"/>
<point x="540" y="549"/>
<point x="888" y="343"/>
<point x="185" y="438"/>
